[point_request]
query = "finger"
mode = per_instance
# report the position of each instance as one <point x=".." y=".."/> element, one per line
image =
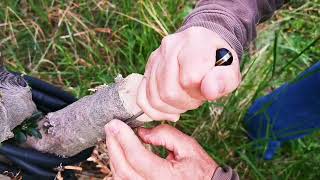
<point x="194" y="63"/>
<point x="175" y="141"/>
<point x="221" y="80"/>
<point x="170" y="90"/>
<point x="135" y="153"/>
<point x="154" y="114"/>
<point x="153" y="94"/>
<point x="120" y="166"/>
<point x="150" y="62"/>
<point x="118" y="176"/>
<point x="114" y="176"/>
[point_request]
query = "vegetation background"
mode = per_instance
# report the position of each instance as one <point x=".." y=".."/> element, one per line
<point x="80" y="44"/>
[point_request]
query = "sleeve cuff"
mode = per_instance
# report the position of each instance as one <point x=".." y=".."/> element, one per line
<point x="225" y="174"/>
<point x="220" y="21"/>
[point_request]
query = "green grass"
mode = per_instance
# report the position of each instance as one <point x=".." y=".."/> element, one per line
<point x="83" y="44"/>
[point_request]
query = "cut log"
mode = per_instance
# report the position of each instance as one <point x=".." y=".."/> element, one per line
<point x="80" y="125"/>
<point x="16" y="103"/>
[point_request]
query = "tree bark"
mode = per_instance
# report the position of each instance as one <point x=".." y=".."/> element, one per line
<point x="80" y="125"/>
<point x="16" y="103"/>
<point x="74" y="128"/>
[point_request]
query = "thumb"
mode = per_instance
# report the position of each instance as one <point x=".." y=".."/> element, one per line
<point x="172" y="139"/>
<point x="135" y="153"/>
<point x="220" y="81"/>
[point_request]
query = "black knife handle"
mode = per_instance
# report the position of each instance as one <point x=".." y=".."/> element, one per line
<point x="223" y="57"/>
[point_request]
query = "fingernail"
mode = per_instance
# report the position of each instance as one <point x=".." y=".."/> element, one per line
<point x="143" y="131"/>
<point x="112" y="129"/>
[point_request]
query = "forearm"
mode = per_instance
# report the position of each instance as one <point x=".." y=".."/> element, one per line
<point x="234" y="20"/>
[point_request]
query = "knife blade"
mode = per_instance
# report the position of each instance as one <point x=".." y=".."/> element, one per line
<point x="134" y="117"/>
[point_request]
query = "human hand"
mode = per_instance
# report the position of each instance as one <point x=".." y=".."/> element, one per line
<point x="180" y="75"/>
<point x="131" y="160"/>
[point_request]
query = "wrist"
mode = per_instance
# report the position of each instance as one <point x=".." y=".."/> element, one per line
<point x="219" y="20"/>
<point x="222" y="32"/>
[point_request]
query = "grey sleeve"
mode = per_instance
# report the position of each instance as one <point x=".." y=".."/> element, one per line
<point x="225" y="174"/>
<point x="234" y="20"/>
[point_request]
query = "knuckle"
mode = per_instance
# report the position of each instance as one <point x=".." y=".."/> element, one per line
<point x="153" y="54"/>
<point x="192" y="140"/>
<point x="192" y="30"/>
<point x="190" y="80"/>
<point x="166" y="44"/>
<point x="168" y="95"/>
<point x="165" y="41"/>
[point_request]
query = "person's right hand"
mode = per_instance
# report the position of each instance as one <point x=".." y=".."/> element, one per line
<point x="181" y="74"/>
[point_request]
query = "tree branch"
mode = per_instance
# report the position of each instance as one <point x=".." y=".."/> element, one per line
<point x="80" y="125"/>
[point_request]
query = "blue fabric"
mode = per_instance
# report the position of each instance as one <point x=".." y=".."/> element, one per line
<point x="290" y="112"/>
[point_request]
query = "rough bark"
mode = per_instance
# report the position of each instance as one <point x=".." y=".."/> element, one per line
<point x="81" y="124"/>
<point x="74" y="128"/>
<point x="15" y="103"/>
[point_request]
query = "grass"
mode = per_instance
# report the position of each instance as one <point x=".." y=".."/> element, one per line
<point x="81" y="44"/>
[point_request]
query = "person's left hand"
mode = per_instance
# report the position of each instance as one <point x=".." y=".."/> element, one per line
<point x="131" y="160"/>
